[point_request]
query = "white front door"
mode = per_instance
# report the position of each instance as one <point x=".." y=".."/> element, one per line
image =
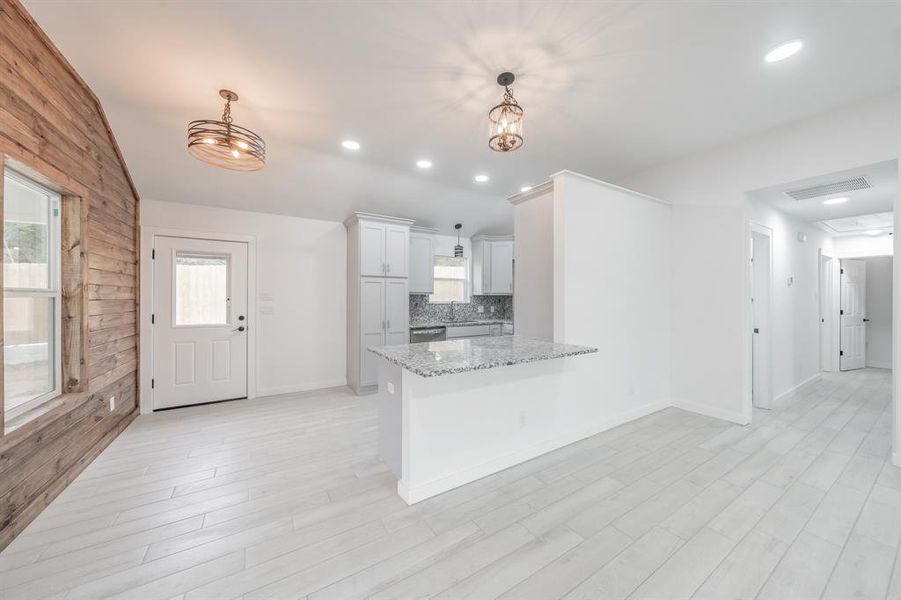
<point x="853" y="315"/>
<point x="199" y="321"/>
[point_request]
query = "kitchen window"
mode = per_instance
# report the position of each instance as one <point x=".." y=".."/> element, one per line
<point x="450" y="281"/>
<point x="31" y="293"/>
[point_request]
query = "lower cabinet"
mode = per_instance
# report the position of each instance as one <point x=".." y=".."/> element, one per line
<point x="384" y="320"/>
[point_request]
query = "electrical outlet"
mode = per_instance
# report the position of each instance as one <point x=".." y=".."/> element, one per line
<point x="492" y="310"/>
<point x="112" y="403"/>
<point x="390" y="388"/>
<point x="480" y="309"/>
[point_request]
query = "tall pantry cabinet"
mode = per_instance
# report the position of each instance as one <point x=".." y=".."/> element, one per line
<point x="378" y="303"/>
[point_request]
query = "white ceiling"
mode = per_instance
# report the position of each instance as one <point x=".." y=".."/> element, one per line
<point x="865" y="209"/>
<point x="608" y="88"/>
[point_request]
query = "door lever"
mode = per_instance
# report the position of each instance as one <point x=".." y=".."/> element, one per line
<point x="241" y="328"/>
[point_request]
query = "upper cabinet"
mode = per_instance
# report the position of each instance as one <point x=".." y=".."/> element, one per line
<point x="422" y="253"/>
<point x="492" y="265"/>
<point x="384" y="244"/>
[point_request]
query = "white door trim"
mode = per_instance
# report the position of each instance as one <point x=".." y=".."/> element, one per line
<point x="766" y="341"/>
<point x="832" y="320"/>
<point x="148" y="239"/>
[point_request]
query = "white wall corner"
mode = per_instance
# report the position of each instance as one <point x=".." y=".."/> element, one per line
<point x="717" y="413"/>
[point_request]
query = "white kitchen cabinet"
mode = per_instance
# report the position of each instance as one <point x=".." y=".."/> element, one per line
<point x="422" y="259"/>
<point x="383" y="248"/>
<point x="378" y="302"/>
<point x="397" y="312"/>
<point x="384" y="320"/>
<point x="397" y="250"/>
<point x="492" y="265"/>
<point x="372" y="249"/>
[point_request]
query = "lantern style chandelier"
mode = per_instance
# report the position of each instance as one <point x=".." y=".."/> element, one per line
<point x="505" y="119"/>
<point x="224" y="144"/>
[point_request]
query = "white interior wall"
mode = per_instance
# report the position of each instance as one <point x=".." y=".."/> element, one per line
<point x="301" y="266"/>
<point x="612" y="288"/>
<point x="854" y="246"/>
<point x="533" y="304"/>
<point x="879" y="312"/>
<point x="795" y="314"/>
<point x="711" y="329"/>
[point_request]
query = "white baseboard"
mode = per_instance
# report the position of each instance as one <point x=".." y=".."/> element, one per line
<point x="300" y="387"/>
<point x="417" y="493"/>
<point x="794" y="389"/>
<point x="710" y="411"/>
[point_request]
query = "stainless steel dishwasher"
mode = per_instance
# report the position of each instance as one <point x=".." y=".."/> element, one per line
<point x="431" y="334"/>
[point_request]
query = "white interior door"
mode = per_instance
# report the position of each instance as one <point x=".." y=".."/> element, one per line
<point x="372" y="326"/>
<point x="853" y="315"/>
<point x="761" y="378"/>
<point x="199" y="321"/>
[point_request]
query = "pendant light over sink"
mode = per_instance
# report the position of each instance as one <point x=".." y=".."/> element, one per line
<point x="458" y="249"/>
<point x="224" y="144"/>
<point x="505" y="119"/>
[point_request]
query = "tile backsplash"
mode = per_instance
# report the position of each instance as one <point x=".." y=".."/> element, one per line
<point x="421" y="310"/>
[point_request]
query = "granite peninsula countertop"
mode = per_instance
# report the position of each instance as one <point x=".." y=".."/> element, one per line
<point x="430" y="324"/>
<point x="431" y="359"/>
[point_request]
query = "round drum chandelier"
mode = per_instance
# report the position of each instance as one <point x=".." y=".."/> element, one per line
<point x="505" y="119"/>
<point x="224" y="144"/>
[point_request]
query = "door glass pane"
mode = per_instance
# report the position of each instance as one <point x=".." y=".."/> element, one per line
<point x="201" y="289"/>
<point x="28" y="340"/>
<point x="26" y="236"/>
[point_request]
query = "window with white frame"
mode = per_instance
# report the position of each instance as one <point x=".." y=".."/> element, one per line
<point x="450" y="281"/>
<point x="31" y="293"/>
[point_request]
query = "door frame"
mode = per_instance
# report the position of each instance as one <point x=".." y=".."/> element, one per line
<point x="148" y="241"/>
<point x="831" y="316"/>
<point x="767" y="338"/>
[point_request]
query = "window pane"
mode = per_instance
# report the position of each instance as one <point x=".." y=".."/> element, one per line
<point x="201" y="290"/>
<point x="447" y="290"/>
<point x="28" y="346"/>
<point x="26" y="236"/>
<point x="449" y="280"/>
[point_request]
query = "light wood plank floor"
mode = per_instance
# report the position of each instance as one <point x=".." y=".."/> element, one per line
<point x="284" y="497"/>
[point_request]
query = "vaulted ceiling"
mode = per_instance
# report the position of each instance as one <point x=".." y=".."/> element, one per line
<point x="608" y="89"/>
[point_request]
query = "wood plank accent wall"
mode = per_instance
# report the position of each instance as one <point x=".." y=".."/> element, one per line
<point x="53" y="128"/>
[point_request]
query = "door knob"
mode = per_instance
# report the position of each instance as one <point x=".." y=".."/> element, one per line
<point x="241" y="328"/>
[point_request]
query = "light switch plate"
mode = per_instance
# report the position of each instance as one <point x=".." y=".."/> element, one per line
<point x="112" y="403"/>
<point x="267" y="310"/>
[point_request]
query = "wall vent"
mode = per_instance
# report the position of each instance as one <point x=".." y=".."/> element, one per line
<point x="827" y="189"/>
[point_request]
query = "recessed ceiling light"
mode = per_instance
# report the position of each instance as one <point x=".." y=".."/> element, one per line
<point x="481" y="178"/>
<point x="351" y="144"/>
<point x="525" y="188"/>
<point x="783" y="51"/>
<point x="424" y="164"/>
<point x="841" y="200"/>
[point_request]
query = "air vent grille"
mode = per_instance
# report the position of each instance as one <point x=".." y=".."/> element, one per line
<point x="827" y="189"/>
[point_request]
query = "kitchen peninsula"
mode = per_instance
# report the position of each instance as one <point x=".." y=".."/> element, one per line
<point x="451" y="412"/>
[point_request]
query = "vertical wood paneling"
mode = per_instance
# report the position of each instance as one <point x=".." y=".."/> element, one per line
<point x="53" y="128"/>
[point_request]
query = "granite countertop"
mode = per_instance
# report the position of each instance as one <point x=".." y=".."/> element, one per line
<point x="429" y="324"/>
<point x="431" y="359"/>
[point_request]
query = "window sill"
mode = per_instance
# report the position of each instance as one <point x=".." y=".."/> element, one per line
<point x="43" y="413"/>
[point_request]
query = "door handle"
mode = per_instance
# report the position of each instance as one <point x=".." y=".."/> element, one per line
<point x="866" y="320"/>
<point x="241" y="328"/>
